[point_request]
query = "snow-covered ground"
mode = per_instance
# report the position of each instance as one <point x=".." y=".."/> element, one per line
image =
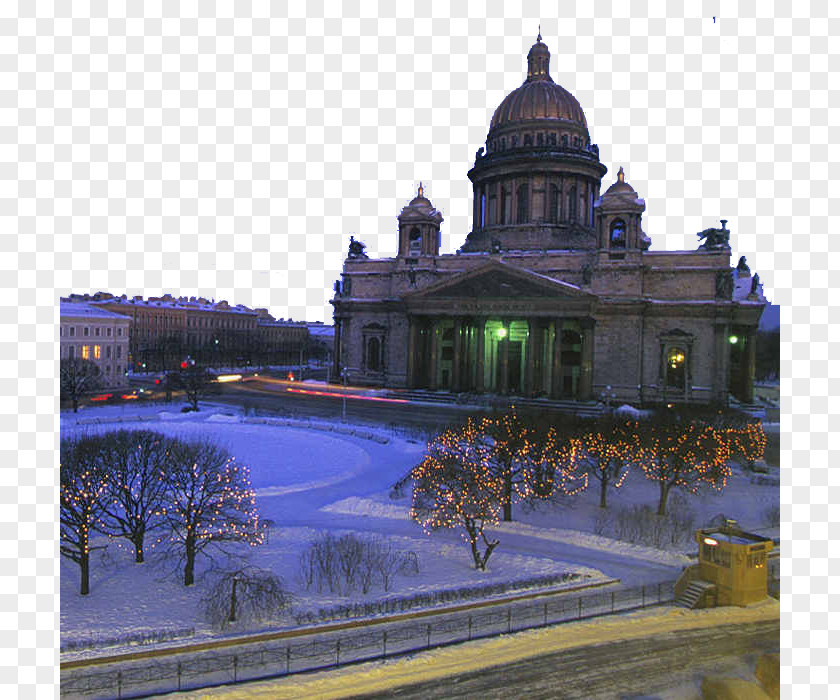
<point x="317" y="477"/>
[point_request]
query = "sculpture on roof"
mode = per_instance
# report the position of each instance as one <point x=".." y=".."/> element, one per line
<point x="742" y="265"/>
<point x="714" y="238"/>
<point x="724" y="284"/>
<point x="754" y="286"/>
<point x="356" y="249"/>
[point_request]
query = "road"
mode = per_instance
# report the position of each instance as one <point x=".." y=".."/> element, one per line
<point x="326" y="401"/>
<point x="610" y="670"/>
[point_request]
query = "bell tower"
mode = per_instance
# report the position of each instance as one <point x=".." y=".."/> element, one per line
<point x="419" y="228"/>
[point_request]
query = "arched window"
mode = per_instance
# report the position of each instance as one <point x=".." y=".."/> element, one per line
<point x="522" y="208"/>
<point x="414" y="242"/>
<point x="540" y="139"/>
<point x="483" y="210"/>
<point x="572" y="208"/>
<point x="503" y="206"/>
<point x="675" y="368"/>
<point x="373" y="353"/>
<point x="565" y="140"/>
<point x="529" y="140"/>
<point x="591" y="209"/>
<point x="618" y="234"/>
<point x="553" y="203"/>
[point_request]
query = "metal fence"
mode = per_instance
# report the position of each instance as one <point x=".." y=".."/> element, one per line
<point x="252" y="661"/>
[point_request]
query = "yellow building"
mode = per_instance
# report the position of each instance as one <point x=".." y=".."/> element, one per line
<point x="735" y="561"/>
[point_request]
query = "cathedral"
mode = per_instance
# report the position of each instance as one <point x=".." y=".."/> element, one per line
<point x="556" y="291"/>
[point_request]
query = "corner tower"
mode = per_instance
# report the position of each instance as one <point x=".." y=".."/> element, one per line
<point x="537" y="178"/>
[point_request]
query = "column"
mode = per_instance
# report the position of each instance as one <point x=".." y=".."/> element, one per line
<point x="337" y="351"/>
<point x="480" y="324"/>
<point x="720" y="380"/>
<point x="503" y="359"/>
<point x="433" y="354"/>
<point x="556" y="361"/>
<point x="411" y="370"/>
<point x="531" y="356"/>
<point x="455" y="383"/>
<point x="748" y="367"/>
<point x="587" y="326"/>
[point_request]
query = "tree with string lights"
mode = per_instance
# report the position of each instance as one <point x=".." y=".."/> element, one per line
<point x="84" y="494"/>
<point x="455" y="486"/>
<point x="607" y="447"/>
<point x="136" y="462"/>
<point x="209" y="501"/>
<point x="683" y="454"/>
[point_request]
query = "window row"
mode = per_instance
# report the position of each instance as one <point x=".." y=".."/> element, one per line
<point x="93" y="352"/>
<point x="539" y="139"/>
<point x="85" y="331"/>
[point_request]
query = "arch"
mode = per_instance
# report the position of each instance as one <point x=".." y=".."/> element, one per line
<point x="415" y="242"/>
<point x="522" y="205"/>
<point x="618" y="234"/>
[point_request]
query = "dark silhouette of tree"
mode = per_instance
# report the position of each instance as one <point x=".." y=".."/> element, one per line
<point x="137" y="462"/>
<point x="84" y="495"/>
<point x="195" y="381"/>
<point x="209" y="501"/>
<point x="78" y="377"/>
<point x="249" y="595"/>
<point x="455" y="486"/>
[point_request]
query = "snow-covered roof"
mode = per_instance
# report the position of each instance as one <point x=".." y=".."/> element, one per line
<point x="70" y="309"/>
<point x="742" y="287"/>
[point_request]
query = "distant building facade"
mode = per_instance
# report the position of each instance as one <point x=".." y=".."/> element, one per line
<point x="166" y="329"/>
<point x="555" y="291"/>
<point x="91" y="333"/>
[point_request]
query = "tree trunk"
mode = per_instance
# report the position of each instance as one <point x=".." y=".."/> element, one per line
<point x="138" y="548"/>
<point x="664" y="489"/>
<point x="232" y="614"/>
<point x="189" y="566"/>
<point x="604" y="493"/>
<point x="84" y="566"/>
<point x="507" y="514"/>
<point x="75" y="405"/>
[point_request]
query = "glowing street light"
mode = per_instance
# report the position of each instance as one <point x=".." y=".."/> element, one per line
<point x="502" y="332"/>
<point x="733" y="339"/>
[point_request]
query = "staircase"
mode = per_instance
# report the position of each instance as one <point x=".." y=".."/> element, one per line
<point x="693" y="593"/>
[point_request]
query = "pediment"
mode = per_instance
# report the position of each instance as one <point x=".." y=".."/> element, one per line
<point x="497" y="280"/>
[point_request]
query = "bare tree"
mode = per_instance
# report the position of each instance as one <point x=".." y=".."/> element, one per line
<point x="454" y="486"/>
<point x="78" y="377"/>
<point x="249" y="594"/>
<point x="84" y="494"/>
<point x="209" y="501"/>
<point x="137" y="466"/>
<point x="194" y="380"/>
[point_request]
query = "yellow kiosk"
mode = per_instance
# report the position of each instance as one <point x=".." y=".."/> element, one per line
<point x="735" y="561"/>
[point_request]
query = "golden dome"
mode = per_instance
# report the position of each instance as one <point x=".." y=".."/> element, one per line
<point x="539" y="97"/>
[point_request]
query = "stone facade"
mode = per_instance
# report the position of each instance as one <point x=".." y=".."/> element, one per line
<point x="555" y="291"/>
<point x="94" y="334"/>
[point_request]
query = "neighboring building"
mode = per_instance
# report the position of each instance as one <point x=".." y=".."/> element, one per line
<point x="555" y="291"/>
<point x="166" y="329"/>
<point x="321" y="341"/>
<point x="92" y="333"/>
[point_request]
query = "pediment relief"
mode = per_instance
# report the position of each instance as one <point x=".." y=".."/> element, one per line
<point x="499" y="281"/>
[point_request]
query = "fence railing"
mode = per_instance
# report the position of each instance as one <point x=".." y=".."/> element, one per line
<point x="252" y="661"/>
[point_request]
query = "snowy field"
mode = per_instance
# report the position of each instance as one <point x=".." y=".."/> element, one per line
<point x="310" y="481"/>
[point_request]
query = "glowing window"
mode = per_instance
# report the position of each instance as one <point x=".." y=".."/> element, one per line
<point x="85" y="352"/>
<point x="675" y="368"/>
<point x="97" y="352"/>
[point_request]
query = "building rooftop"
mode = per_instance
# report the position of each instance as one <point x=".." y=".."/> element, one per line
<point x="70" y="309"/>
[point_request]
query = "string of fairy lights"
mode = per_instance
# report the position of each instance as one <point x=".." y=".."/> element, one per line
<point x="461" y="481"/>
